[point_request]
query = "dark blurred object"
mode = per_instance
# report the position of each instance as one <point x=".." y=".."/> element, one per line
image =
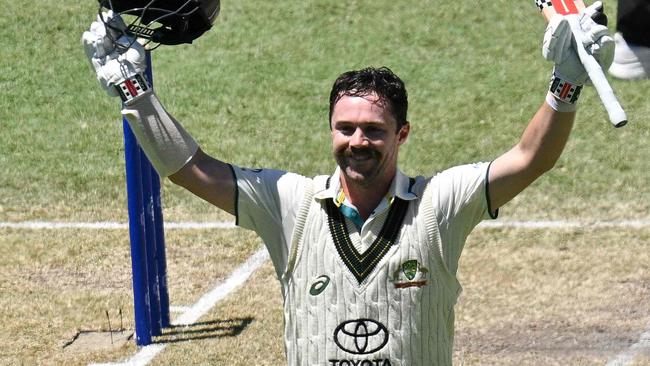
<point x="168" y="22"/>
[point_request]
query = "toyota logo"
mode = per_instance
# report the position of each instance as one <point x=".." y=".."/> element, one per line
<point x="361" y="336"/>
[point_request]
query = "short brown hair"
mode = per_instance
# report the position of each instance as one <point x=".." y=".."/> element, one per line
<point x="381" y="81"/>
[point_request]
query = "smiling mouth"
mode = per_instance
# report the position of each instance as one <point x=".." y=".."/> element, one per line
<point x="359" y="162"/>
<point x="361" y="156"/>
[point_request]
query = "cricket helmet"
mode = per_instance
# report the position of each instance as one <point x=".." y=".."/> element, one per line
<point x="168" y="22"/>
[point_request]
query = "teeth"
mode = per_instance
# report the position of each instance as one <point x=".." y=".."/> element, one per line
<point x="360" y="158"/>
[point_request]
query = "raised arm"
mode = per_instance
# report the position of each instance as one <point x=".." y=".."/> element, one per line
<point x="536" y="152"/>
<point x="171" y="150"/>
<point x="208" y="178"/>
<point x="546" y="134"/>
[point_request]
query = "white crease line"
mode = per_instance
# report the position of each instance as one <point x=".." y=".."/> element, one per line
<point x="35" y="225"/>
<point x="178" y="308"/>
<point x="200" y="225"/>
<point x="531" y="224"/>
<point x="110" y="225"/>
<point x="142" y="357"/>
<point x="560" y="224"/>
<point x="191" y="314"/>
<point x="238" y="277"/>
<point x="626" y="357"/>
<point x="200" y="308"/>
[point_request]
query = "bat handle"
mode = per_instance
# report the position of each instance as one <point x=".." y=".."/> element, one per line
<point x="617" y="115"/>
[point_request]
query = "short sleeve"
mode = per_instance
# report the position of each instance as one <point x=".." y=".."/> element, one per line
<point x="267" y="203"/>
<point x="461" y="201"/>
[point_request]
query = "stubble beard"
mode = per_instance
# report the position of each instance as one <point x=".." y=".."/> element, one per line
<point x="360" y="168"/>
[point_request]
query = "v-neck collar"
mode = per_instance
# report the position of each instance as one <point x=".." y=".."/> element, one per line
<point x="362" y="264"/>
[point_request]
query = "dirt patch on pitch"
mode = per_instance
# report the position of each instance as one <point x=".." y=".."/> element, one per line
<point x="90" y="341"/>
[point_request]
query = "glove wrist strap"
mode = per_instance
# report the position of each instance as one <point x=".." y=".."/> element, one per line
<point x="558" y="105"/>
<point x="563" y="90"/>
<point x="132" y="88"/>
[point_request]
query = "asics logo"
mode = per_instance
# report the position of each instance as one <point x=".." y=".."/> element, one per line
<point x="319" y="285"/>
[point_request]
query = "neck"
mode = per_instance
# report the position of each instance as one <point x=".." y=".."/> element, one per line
<point x="365" y="197"/>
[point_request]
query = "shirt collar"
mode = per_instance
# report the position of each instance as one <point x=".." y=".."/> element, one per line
<point x="399" y="187"/>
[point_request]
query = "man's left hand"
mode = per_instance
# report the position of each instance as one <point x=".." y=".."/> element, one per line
<point x="560" y="44"/>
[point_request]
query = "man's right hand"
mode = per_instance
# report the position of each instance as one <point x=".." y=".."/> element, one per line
<point x="118" y="60"/>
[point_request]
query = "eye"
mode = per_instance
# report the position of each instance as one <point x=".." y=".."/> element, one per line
<point x="373" y="131"/>
<point x="345" y="129"/>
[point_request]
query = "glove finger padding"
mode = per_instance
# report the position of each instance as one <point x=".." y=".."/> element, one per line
<point x="103" y="77"/>
<point x="596" y="37"/>
<point x="90" y="48"/>
<point x="592" y="30"/>
<point x="114" y="24"/>
<point x="557" y="39"/>
<point x="559" y="48"/>
<point x="594" y="12"/>
<point x="103" y="45"/>
<point x="560" y="44"/>
<point x="114" y="56"/>
<point x="135" y="56"/>
<point x="601" y="45"/>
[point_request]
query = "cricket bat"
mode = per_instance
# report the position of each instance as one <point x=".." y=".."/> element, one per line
<point x="615" y="112"/>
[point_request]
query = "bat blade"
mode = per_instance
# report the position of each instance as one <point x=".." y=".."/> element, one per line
<point x="570" y="8"/>
<point x="565" y="7"/>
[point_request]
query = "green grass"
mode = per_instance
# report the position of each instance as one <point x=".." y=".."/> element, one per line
<point x="56" y="284"/>
<point x="253" y="91"/>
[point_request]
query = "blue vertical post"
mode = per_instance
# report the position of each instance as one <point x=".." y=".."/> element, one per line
<point x="151" y="299"/>
<point x="141" y="299"/>
<point x="150" y="244"/>
<point x="161" y="262"/>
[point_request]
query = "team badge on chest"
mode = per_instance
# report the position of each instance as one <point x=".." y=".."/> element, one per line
<point x="410" y="274"/>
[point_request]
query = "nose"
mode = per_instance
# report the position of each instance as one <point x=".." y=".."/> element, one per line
<point x="358" y="138"/>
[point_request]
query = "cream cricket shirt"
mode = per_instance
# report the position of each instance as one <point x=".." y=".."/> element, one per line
<point x="344" y="311"/>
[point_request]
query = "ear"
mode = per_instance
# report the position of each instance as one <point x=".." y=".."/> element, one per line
<point x="403" y="133"/>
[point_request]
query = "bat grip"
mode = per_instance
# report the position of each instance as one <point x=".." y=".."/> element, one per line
<point x="616" y="114"/>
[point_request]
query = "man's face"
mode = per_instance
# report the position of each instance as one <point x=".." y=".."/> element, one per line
<point x="365" y="140"/>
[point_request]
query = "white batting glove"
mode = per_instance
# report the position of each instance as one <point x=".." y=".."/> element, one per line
<point x="559" y="44"/>
<point x="119" y="73"/>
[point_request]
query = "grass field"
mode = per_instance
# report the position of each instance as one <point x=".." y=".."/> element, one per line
<point x="253" y="91"/>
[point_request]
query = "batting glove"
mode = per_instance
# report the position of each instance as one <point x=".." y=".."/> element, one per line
<point x="118" y="60"/>
<point x="560" y="45"/>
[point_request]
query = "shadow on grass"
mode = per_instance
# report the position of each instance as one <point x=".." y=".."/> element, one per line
<point x="217" y="328"/>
